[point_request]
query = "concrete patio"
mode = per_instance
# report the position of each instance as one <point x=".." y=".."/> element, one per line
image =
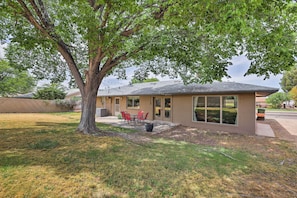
<point x="159" y="126"/>
<point x="140" y="126"/>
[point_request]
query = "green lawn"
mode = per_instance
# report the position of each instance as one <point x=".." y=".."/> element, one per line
<point x="41" y="155"/>
<point x="280" y="110"/>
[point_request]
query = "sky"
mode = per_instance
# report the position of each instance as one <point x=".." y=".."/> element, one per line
<point x="236" y="71"/>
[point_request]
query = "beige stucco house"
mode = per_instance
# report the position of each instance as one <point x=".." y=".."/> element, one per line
<point x="220" y="106"/>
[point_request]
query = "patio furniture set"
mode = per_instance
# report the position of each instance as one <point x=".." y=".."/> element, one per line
<point x="140" y="117"/>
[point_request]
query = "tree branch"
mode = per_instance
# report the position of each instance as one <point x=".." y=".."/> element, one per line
<point x="62" y="47"/>
<point x="111" y="62"/>
<point x="131" y="31"/>
<point x="45" y="16"/>
<point x="106" y="15"/>
<point x="29" y="16"/>
<point x="94" y="6"/>
<point x="32" y="2"/>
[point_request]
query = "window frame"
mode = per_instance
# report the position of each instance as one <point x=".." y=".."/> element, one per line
<point x="220" y="107"/>
<point x="133" y="98"/>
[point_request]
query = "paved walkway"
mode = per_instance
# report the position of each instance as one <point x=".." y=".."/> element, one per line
<point x="290" y="126"/>
<point x="264" y="130"/>
<point x="287" y="119"/>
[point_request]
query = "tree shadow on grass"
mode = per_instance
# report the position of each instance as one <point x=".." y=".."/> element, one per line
<point x="117" y="162"/>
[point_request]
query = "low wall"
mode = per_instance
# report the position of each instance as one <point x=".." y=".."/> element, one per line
<point x="21" y="105"/>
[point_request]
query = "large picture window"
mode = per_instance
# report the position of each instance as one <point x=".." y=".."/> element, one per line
<point x="133" y="102"/>
<point x="215" y="109"/>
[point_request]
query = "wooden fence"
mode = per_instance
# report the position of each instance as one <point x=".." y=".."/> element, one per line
<point x="21" y="105"/>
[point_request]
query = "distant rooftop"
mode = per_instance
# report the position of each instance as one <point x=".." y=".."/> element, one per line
<point x="178" y="88"/>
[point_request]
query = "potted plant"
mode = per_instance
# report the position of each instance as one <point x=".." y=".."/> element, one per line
<point x="149" y="127"/>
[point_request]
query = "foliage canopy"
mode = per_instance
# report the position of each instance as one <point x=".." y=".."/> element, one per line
<point x="13" y="81"/>
<point x="277" y="99"/>
<point x="179" y="38"/>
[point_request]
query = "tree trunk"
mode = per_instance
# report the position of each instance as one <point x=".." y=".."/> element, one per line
<point x="87" y="123"/>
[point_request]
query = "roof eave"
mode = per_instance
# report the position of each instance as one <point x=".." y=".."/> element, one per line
<point x="258" y="93"/>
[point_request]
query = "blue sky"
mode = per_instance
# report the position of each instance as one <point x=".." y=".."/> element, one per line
<point x="236" y="71"/>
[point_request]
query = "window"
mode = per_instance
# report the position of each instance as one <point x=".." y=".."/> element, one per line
<point x="215" y="109"/>
<point x="133" y="102"/>
<point x="199" y="108"/>
<point x="229" y="109"/>
<point x="167" y="107"/>
<point x="158" y="107"/>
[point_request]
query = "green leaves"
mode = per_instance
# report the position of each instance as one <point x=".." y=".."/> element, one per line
<point x="14" y="81"/>
<point x="43" y="62"/>
<point x="277" y="99"/>
<point x="193" y="40"/>
<point x="289" y="79"/>
<point x="51" y="92"/>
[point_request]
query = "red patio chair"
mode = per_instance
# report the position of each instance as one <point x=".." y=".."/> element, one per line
<point x="123" y="115"/>
<point x="139" y="116"/>
<point x="145" y="117"/>
<point x="128" y="117"/>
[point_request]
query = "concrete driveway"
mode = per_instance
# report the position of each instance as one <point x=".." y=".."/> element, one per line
<point x="288" y="120"/>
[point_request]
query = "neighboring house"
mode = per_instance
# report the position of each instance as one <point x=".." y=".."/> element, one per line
<point x="27" y="95"/>
<point x="72" y="93"/>
<point x="261" y="102"/>
<point x="220" y="106"/>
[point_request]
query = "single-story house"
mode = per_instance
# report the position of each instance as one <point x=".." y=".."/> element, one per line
<point x="220" y="106"/>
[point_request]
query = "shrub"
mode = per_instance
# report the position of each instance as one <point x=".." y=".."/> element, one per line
<point x="50" y="92"/>
<point x="66" y="104"/>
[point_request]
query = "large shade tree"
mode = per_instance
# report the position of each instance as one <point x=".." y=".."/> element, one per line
<point x="192" y="39"/>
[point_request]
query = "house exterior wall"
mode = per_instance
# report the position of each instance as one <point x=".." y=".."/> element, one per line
<point x="105" y="103"/>
<point x="182" y="112"/>
<point x="246" y="123"/>
<point x="146" y="105"/>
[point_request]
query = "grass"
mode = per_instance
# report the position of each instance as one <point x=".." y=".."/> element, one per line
<point x="41" y="155"/>
<point x="280" y="110"/>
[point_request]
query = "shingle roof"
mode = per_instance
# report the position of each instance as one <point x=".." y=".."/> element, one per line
<point x="178" y="88"/>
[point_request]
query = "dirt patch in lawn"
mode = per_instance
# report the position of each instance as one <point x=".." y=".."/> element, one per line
<point x="225" y="139"/>
<point x="274" y="176"/>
